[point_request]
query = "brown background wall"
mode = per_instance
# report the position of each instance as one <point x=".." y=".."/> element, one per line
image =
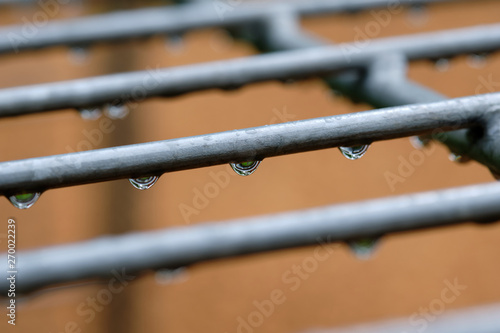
<point x="406" y="272"/>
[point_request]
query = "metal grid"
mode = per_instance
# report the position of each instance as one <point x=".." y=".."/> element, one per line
<point x="376" y="74"/>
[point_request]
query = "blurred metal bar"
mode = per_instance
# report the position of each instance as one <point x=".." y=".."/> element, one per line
<point x="236" y="73"/>
<point x="479" y="319"/>
<point x="155" y="158"/>
<point x="168" y="19"/>
<point x="182" y="246"/>
<point x="383" y="83"/>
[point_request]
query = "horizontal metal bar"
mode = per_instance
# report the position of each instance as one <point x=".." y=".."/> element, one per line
<point x="176" y="247"/>
<point x="235" y="73"/>
<point x="383" y="83"/>
<point x="479" y="319"/>
<point x="168" y="19"/>
<point x="155" y="158"/>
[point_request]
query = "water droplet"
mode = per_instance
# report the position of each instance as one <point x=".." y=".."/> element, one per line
<point x="363" y="248"/>
<point x="417" y="15"/>
<point x="175" y="43"/>
<point x="477" y="60"/>
<point x="24" y="200"/>
<point x="245" y="168"/>
<point x="170" y="276"/>
<point x="442" y="65"/>
<point x="420" y="142"/>
<point x="143" y="183"/>
<point x="458" y="158"/>
<point x="117" y="111"/>
<point x="78" y="55"/>
<point x="91" y="113"/>
<point x="354" y="152"/>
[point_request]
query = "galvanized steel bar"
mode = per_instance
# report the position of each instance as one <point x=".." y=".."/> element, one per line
<point x="183" y="246"/>
<point x="155" y="158"/>
<point x="478" y="319"/>
<point x="235" y="73"/>
<point x="167" y="19"/>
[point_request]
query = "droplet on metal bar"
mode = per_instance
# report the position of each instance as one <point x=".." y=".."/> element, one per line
<point x="419" y="142"/>
<point x="90" y="113"/>
<point x="143" y="183"/>
<point x="171" y="276"/>
<point x="363" y="248"/>
<point x="354" y="152"/>
<point x="78" y="55"/>
<point x="417" y="15"/>
<point x="458" y="158"/>
<point x="117" y="111"/>
<point x="477" y="60"/>
<point x="24" y="200"/>
<point x="175" y="43"/>
<point x="245" y="168"/>
<point x="442" y="64"/>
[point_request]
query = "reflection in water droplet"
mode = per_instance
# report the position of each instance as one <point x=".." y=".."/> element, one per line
<point x="442" y="64"/>
<point x="354" y="152"/>
<point x="143" y="183"/>
<point x="78" y="55"/>
<point x="417" y="15"/>
<point x="24" y="200"/>
<point x="91" y="113"/>
<point x="419" y="142"/>
<point x="458" y="158"/>
<point x="175" y="43"/>
<point x="477" y="60"/>
<point x="170" y="276"/>
<point x="363" y="248"/>
<point x="117" y="111"/>
<point x="245" y="168"/>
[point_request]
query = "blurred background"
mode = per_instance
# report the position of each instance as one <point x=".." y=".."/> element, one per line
<point x="405" y="273"/>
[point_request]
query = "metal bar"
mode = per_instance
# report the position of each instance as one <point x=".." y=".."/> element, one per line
<point x="479" y="319"/>
<point x="383" y="83"/>
<point x="177" y="247"/>
<point x="235" y="73"/>
<point x="168" y="19"/>
<point x="155" y="158"/>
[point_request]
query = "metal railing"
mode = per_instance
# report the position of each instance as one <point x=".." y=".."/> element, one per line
<point x="375" y="73"/>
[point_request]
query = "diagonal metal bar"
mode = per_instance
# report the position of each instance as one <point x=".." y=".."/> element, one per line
<point x="176" y="247"/>
<point x="169" y="19"/>
<point x="235" y="73"/>
<point x="479" y="319"/>
<point x="155" y="158"/>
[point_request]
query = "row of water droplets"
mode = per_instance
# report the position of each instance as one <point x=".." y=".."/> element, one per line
<point x="474" y="60"/>
<point x="27" y="200"/>
<point x="112" y="111"/>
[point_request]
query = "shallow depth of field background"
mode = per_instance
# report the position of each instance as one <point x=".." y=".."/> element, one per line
<point x="406" y="272"/>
